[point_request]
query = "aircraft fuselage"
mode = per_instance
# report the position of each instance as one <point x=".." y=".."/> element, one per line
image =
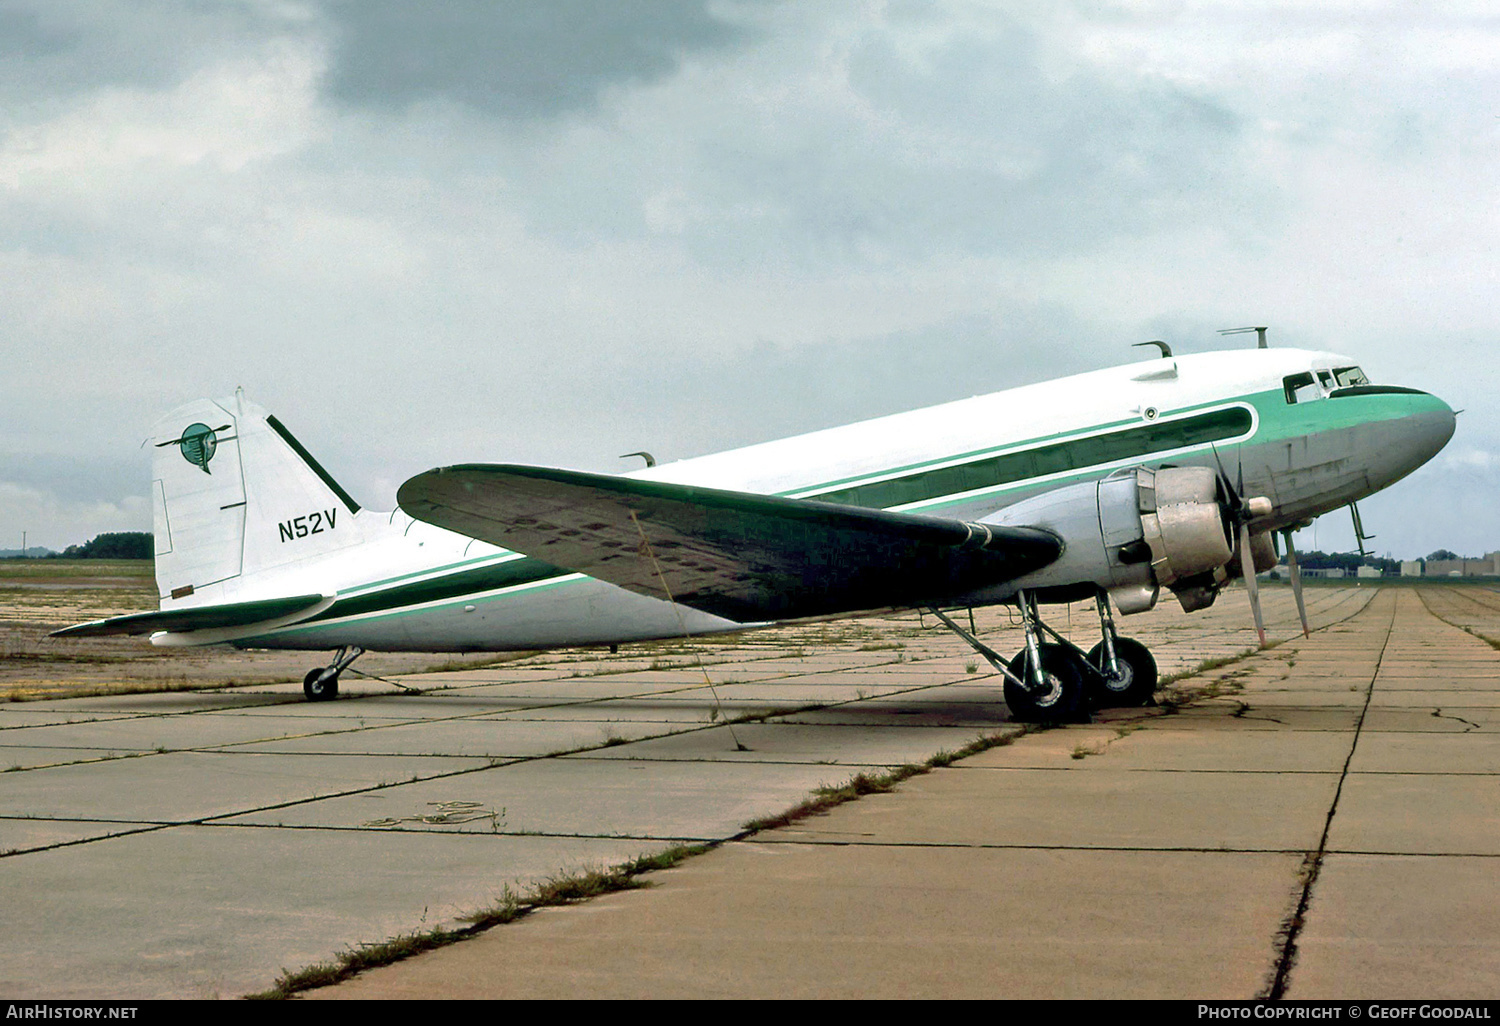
<point x="1310" y="446"/>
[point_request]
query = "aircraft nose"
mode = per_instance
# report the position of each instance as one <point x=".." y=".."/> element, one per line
<point x="1432" y="425"/>
<point x="1419" y="434"/>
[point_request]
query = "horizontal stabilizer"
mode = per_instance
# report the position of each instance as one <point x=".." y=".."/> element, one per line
<point x="733" y="554"/>
<point x="198" y="618"/>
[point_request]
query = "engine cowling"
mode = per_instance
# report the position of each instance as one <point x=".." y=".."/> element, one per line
<point x="1132" y="534"/>
<point x="1183" y="522"/>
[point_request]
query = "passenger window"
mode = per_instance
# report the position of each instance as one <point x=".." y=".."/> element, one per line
<point x="1300" y="388"/>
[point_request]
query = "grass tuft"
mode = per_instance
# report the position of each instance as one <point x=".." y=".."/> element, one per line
<point x="559" y="890"/>
<point x="827" y="797"/>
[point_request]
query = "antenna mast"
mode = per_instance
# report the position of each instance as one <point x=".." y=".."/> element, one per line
<point x="1260" y="334"/>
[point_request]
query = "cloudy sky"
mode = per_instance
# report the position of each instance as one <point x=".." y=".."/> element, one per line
<point x="425" y="233"/>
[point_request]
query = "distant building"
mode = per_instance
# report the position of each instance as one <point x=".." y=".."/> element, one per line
<point x="1461" y="567"/>
<point x="1332" y="573"/>
<point x="1368" y="571"/>
<point x="1411" y="568"/>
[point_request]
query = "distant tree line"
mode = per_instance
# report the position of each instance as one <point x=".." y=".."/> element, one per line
<point x="115" y="545"/>
<point x="1349" y="562"/>
<point x="1352" y="561"/>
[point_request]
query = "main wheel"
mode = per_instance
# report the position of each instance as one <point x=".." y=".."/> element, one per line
<point x="1062" y="701"/>
<point x="1133" y="685"/>
<point x="320" y="689"/>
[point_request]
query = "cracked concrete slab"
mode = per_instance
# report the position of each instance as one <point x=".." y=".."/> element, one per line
<point x="486" y="737"/>
<point x="1091" y="806"/>
<point x="1419" y="813"/>
<point x="824" y="744"/>
<point x="701" y="800"/>
<point x="22" y="835"/>
<point x="754" y="920"/>
<point x="226" y="907"/>
<point x="151" y="788"/>
<point x="1439" y="935"/>
<point x="1468" y="751"/>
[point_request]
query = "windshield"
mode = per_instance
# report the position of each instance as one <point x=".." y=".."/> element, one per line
<point x="1300" y="388"/>
<point x="1347" y="376"/>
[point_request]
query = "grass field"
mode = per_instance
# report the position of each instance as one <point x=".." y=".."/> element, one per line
<point x="41" y="595"/>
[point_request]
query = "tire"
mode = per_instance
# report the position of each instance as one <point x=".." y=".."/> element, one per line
<point x="1136" y="683"/>
<point x="1063" y="703"/>
<point x="316" y="691"/>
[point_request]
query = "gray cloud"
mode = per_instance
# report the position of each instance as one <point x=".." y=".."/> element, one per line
<point x="512" y="58"/>
<point x="856" y="145"/>
<point x="52" y="50"/>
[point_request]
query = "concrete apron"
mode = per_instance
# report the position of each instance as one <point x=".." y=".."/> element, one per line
<point x="1325" y="826"/>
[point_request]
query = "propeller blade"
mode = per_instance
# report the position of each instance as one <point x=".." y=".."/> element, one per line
<point x="1247" y="569"/>
<point x="1231" y="494"/>
<point x="1291" y="564"/>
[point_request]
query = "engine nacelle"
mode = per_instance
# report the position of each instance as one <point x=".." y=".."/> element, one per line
<point x="1184" y="522"/>
<point x="1132" y="533"/>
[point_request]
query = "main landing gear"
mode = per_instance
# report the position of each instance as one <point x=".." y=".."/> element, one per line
<point x="1057" y="682"/>
<point x="322" y="682"/>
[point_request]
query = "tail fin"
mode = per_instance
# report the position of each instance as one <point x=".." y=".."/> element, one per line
<point x="235" y="495"/>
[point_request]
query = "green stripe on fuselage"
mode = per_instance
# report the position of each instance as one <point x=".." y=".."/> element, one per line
<point x="508" y="574"/>
<point x="1046" y="460"/>
<point x="1070" y="458"/>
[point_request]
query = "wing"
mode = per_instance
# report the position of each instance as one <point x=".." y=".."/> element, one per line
<point x="733" y="554"/>
<point x="197" y="618"/>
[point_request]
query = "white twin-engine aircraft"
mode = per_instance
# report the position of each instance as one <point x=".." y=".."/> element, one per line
<point x="1170" y="473"/>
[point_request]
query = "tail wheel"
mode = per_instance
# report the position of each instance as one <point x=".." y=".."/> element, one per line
<point x="1133" y="685"/>
<point x="319" y="688"/>
<point x="1061" y="701"/>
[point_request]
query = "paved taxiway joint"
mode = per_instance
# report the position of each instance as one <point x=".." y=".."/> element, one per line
<point x="197" y="844"/>
<point x="1324" y="827"/>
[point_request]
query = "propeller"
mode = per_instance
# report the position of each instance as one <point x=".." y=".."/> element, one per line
<point x="1241" y="511"/>
<point x="1291" y="563"/>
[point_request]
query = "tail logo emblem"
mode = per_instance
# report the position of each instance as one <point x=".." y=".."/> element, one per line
<point x="197" y="445"/>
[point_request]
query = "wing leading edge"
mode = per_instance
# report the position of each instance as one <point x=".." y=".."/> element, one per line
<point x="741" y="556"/>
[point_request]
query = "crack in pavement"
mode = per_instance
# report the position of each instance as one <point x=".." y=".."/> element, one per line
<point x="1313" y="863"/>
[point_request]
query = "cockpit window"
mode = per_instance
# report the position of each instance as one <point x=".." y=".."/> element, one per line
<point x="1348" y="376"/>
<point x="1325" y="378"/>
<point x="1301" y="388"/>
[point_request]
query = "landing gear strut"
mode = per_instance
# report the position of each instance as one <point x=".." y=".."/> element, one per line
<point x="322" y="682"/>
<point x="1043" y="684"/>
<point x="1123" y="670"/>
<point x="1056" y="682"/>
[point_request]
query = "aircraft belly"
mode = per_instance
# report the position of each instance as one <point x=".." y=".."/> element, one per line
<point x="574" y="611"/>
